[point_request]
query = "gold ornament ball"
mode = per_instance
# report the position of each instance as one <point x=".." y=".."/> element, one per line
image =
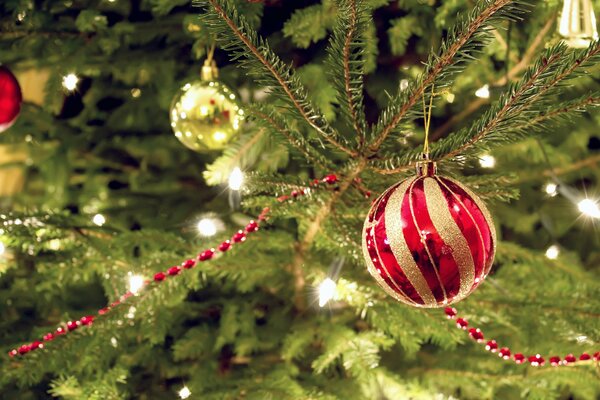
<point x="205" y="115"/>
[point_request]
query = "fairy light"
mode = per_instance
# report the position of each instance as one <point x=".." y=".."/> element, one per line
<point x="70" y="81"/>
<point x="99" y="219"/>
<point x="236" y="178"/>
<point x="450" y="97"/>
<point x="551" y="189"/>
<point x="403" y="84"/>
<point x="2" y="248"/>
<point x="487" y="161"/>
<point x="327" y="291"/>
<point x="483" y="92"/>
<point x="207" y="227"/>
<point x="136" y="283"/>
<point x="552" y="252"/>
<point x="184" y="392"/>
<point x="589" y="208"/>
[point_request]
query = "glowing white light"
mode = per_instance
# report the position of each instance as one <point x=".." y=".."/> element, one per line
<point x="551" y="189"/>
<point x="450" y="97"/>
<point x="136" y="92"/>
<point x="207" y="227"/>
<point x="552" y="252"/>
<point x="327" y="290"/>
<point x="2" y="248"/>
<point x="136" y="283"/>
<point x="70" y="81"/>
<point x="404" y="84"/>
<point x="483" y="92"/>
<point x="236" y="178"/>
<point x="487" y="161"/>
<point x="589" y="207"/>
<point x="220" y="136"/>
<point x="99" y="219"/>
<point x="185" y="392"/>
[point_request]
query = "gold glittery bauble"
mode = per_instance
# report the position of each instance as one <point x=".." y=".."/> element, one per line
<point x="205" y="114"/>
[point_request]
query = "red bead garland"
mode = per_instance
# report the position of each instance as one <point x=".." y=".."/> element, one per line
<point x="239" y="237"/>
<point x="492" y="346"/>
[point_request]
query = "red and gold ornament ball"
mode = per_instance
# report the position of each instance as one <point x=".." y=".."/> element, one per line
<point x="428" y="240"/>
<point x="10" y="98"/>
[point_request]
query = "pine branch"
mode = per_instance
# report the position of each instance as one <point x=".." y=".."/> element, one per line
<point x="465" y="40"/>
<point x="346" y="58"/>
<point x="512" y="117"/>
<point x="512" y="74"/>
<point x="253" y="52"/>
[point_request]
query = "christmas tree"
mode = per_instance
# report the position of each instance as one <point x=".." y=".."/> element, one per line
<point x="136" y="267"/>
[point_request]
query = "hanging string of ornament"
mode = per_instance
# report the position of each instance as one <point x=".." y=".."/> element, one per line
<point x="240" y="237"/>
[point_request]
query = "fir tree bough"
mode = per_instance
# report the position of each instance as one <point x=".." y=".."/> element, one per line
<point x="327" y="93"/>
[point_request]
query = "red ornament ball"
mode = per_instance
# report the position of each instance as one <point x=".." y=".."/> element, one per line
<point x="10" y="98"/>
<point x="428" y="240"/>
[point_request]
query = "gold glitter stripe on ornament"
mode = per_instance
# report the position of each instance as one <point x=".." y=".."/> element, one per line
<point x="371" y="266"/>
<point x="486" y="214"/>
<point x="457" y="198"/>
<point x="393" y="225"/>
<point x="444" y="224"/>
<point x="423" y="240"/>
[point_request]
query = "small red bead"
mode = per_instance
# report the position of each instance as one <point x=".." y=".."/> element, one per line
<point x="36" y="345"/>
<point x="283" y="198"/>
<point x="536" y="361"/>
<point x="187" y="264"/>
<point x="48" y="337"/>
<point x="24" y="349"/>
<point x="315" y="182"/>
<point x="126" y="296"/>
<point x="555" y="361"/>
<point x="450" y="312"/>
<point x="60" y="330"/>
<point x="367" y="194"/>
<point x="476" y="334"/>
<point x="13" y="353"/>
<point x="295" y="193"/>
<point x="252" y="226"/>
<point x="115" y="303"/>
<point x="226" y="245"/>
<point x="504" y="353"/>
<point x="330" y="179"/>
<point x="174" y="270"/>
<point x="491" y="346"/>
<point x="585" y="357"/>
<point x="462" y="323"/>
<point x="206" y="255"/>
<point x="159" y="277"/>
<point x="87" y="320"/>
<point x="597" y="356"/>
<point x="519" y="358"/>
<point x="239" y="236"/>
<point x="570" y="358"/>
<point x="103" y="311"/>
<point x="72" y="325"/>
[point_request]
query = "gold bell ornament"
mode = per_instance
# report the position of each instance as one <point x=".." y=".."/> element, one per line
<point x="577" y="23"/>
<point x="205" y="114"/>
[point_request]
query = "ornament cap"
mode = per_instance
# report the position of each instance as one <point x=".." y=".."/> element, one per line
<point x="209" y="72"/>
<point x="426" y="167"/>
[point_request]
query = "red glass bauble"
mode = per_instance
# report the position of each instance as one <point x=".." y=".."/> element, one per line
<point x="428" y="240"/>
<point x="10" y="98"/>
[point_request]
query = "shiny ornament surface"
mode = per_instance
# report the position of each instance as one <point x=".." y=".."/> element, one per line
<point x="10" y="98"/>
<point x="577" y="23"/>
<point x="428" y="240"/>
<point x="205" y="115"/>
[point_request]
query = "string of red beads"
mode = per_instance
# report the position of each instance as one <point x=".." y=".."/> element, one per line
<point x="205" y="255"/>
<point x="492" y="346"/>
